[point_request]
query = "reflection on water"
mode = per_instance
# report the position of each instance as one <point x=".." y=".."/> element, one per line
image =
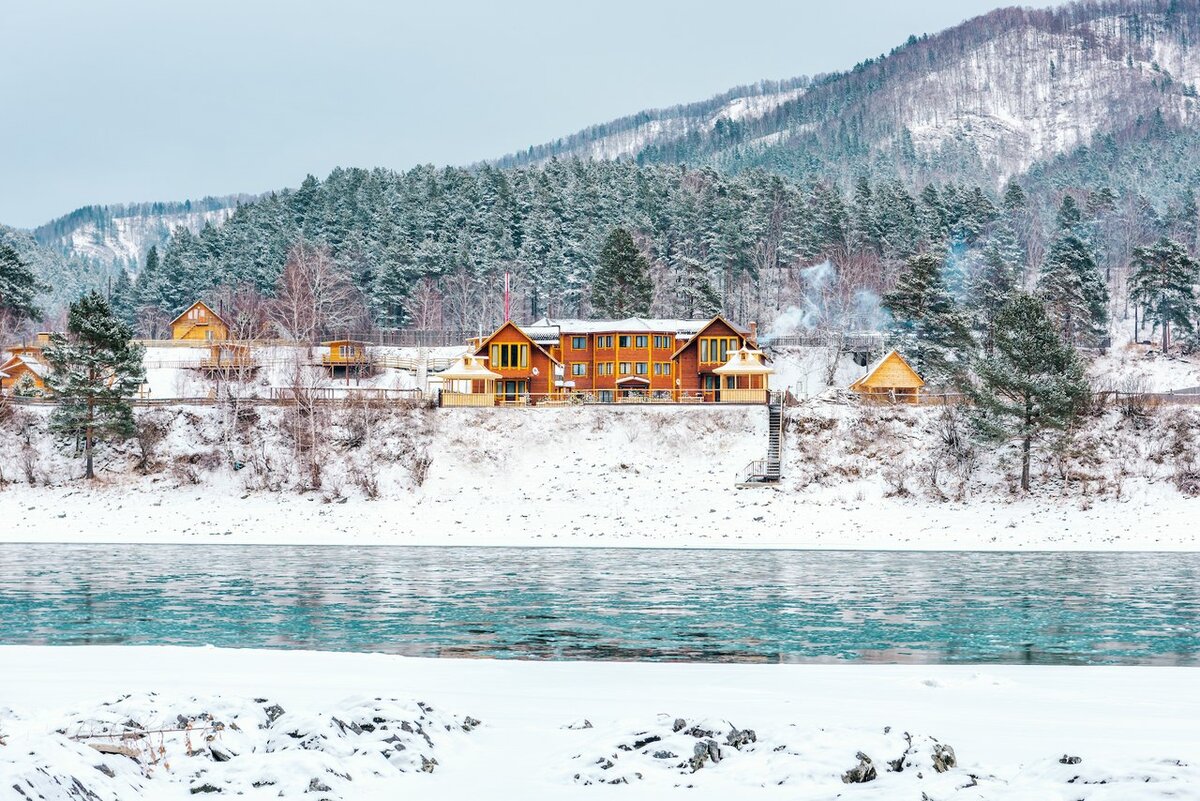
<point x="716" y="606"/>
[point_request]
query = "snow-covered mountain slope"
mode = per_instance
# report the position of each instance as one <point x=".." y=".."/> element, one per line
<point x="628" y="136"/>
<point x="120" y="235"/>
<point x="998" y="92"/>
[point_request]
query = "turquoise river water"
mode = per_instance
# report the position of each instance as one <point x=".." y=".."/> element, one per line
<point x="698" y="605"/>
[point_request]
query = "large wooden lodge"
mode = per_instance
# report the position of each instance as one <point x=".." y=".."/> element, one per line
<point x="607" y="361"/>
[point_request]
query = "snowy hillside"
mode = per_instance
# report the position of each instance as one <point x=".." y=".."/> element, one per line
<point x="120" y="235"/>
<point x="628" y="136"/>
<point x="1001" y="91"/>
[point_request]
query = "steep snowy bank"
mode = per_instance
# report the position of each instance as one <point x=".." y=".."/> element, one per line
<point x="855" y="477"/>
<point x="518" y="728"/>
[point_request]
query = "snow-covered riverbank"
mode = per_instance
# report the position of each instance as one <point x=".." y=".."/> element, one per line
<point x="689" y="518"/>
<point x="516" y="729"/>
<point x="854" y="477"/>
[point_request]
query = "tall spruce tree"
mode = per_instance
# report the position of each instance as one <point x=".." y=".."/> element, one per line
<point x="621" y="287"/>
<point x="1070" y="284"/>
<point x="996" y="278"/>
<point x="18" y="287"/>
<point x="1031" y="383"/>
<point x="122" y="297"/>
<point x="926" y="323"/>
<point x="1164" y="282"/>
<point x="94" y="371"/>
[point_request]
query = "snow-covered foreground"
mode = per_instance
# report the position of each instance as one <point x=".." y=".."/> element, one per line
<point x="365" y="726"/>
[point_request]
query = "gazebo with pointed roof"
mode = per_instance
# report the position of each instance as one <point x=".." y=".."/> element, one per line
<point x="744" y="376"/>
<point x="468" y="382"/>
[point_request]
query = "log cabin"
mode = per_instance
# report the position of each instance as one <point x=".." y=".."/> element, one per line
<point x="890" y="379"/>
<point x="627" y="360"/>
<point x="199" y="323"/>
<point x="25" y="367"/>
<point x="347" y="357"/>
<point x="22" y="372"/>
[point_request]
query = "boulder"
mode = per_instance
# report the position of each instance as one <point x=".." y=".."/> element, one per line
<point x="740" y="737"/>
<point x="1070" y="760"/>
<point x="943" y="758"/>
<point x="864" y="771"/>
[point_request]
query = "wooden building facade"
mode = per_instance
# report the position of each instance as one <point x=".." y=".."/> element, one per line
<point x="199" y="323"/>
<point x="890" y="379"/>
<point x="629" y="360"/>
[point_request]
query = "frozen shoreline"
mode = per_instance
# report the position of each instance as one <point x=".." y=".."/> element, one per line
<point x="1009" y="725"/>
<point x="746" y="518"/>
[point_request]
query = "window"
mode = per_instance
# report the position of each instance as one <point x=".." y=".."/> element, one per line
<point x="579" y="343"/>
<point x="662" y="368"/>
<point x="579" y="368"/>
<point x="623" y="341"/>
<point x="604" y="368"/>
<point x="604" y="341"/>
<point x="623" y="369"/>
<point x="510" y="355"/>
<point x="641" y="341"/>
<point x="641" y="368"/>
<point x="662" y="342"/>
<point x="716" y="349"/>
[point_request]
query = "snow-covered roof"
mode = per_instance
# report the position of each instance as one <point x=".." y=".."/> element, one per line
<point x="468" y="368"/>
<point x="541" y="334"/>
<point x="744" y="361"/>
<point x="629" y="378"/>
<point x="649" y="325"/>
<point x="32" y="364"/>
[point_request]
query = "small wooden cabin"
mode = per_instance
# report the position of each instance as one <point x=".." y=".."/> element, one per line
<point x="199" y="323"/>
<point x="21" y="371"/>
<point x="347" y="357"/>
<point x="891" y="379"/>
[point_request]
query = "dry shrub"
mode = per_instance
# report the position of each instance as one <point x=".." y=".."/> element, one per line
<point x="895" y="474"/>
<point x="150" y="430"/>
<point x="418" y="463"/>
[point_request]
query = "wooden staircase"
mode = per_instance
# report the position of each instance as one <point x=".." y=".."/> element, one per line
<point x="770" y="470"/>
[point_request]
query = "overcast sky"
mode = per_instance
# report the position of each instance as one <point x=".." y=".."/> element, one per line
<point x="108" y="101"/>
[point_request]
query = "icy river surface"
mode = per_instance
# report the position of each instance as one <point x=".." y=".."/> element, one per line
<point x="693" y="605"/>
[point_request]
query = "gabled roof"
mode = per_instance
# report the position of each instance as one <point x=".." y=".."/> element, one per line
<point x="628" y="378"/>
<point x="741" y="331"/>
<point x="891" y="356"/>
<point x="194" y="305"/>
<point x="20" y="359"/>
<point x="518" y="329"/>
<point x="331" y="342"/>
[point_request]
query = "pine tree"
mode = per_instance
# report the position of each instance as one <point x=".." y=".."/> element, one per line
<point x="1070" y="284"/>
<point x="1164" y="282"/>
<point x="694" y="294"/>
<point x="621" y="287"/>
<point x="18" y="287"/>
<point x="926" y="323"/>
<point x="123" y="297"/>
<point x="94" y="371"/>
<point x="995" y="280"/>
<point x="1032" y="383"/>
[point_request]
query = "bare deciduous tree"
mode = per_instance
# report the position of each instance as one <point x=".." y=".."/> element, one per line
<point x="314" y="295"/>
